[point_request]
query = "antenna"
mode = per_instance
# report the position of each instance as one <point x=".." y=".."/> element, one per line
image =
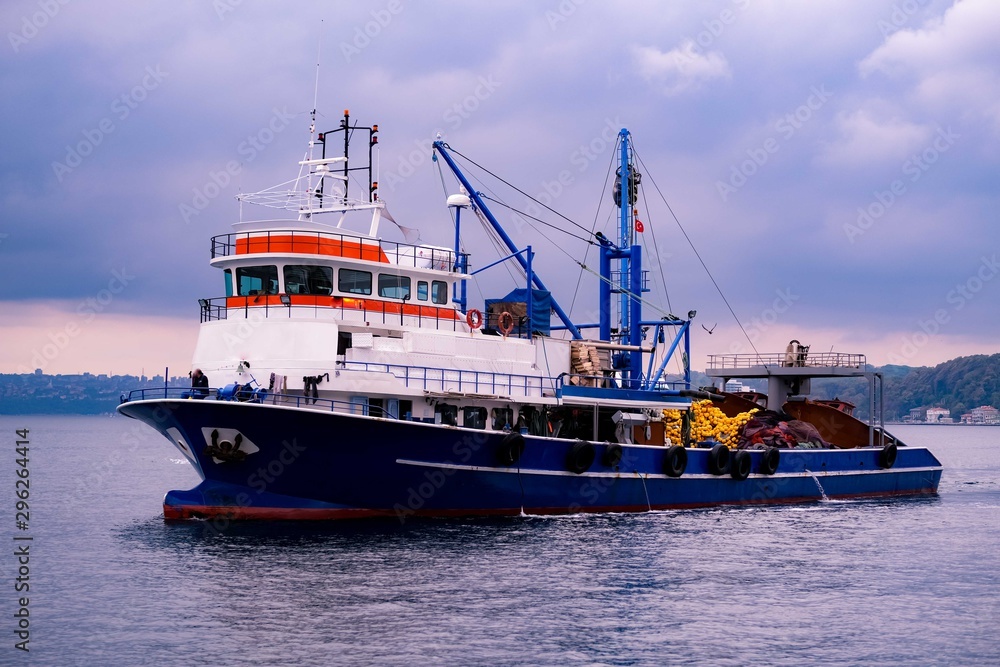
<point x="312" y="117"/>
<point x="319" y="48"/>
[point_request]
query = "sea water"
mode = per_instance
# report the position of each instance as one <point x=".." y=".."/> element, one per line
<point x="900" y="582"/>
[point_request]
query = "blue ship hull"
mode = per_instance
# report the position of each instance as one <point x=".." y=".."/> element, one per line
<point x="313" y="464"/>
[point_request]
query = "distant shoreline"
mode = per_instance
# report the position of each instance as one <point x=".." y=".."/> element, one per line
<point x="888" y="423"/>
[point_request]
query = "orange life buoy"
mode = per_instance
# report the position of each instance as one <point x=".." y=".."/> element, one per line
<point x="505" y="323"/>
<point x="474" y="318"/>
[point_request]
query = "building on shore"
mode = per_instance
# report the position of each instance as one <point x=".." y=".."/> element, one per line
<point x="938" y="416"/>
<point x="984" y="414"/>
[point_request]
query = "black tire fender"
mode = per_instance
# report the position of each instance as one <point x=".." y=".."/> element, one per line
<point x="511" y="448"/>
<point x="612" y="455"/>
<point x="887" y="457"/>
<point x="739" y="469"/>
<point x="770" y="460"/>
<point x="580" y="457"/>
<point x="675" y="462"/>
<point x="718" y="460"/>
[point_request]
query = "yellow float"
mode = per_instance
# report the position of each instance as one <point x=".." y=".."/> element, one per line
<point x="707" y="422"/>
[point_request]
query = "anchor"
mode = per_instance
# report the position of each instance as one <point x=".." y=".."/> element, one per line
<point x="226" y="451"/>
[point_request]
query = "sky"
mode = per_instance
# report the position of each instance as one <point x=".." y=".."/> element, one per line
<point x="834" y="164"/>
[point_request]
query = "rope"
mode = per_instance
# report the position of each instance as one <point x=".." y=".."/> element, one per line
<point x="491" y="234"/>
<point x="593" y="228"/>
<point x="521" y="484"/>
<point x="511" y="185"/>
<point x="696" y="254"/>
<point x="663" y="279"/>
<point x="649" y="508"/>
<point x="500" y="248"/>
<point x="656" y="249"/>
<point x="547" y="224"/>
<point x="616" y="286"/>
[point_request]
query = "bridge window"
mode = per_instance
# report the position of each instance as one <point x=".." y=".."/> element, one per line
<point x="359" y="405"/>
<point x="393" y="287"/>
<point x="421" y="290"/>
<point x="354" y="282"/>
<point x="395" y="408"/>
<point x="446" y="414"/>
<point x="474" y="417"/>
<point x="308" y="280"/>
<point x="502" y="417"/>
<point x="253" y="280"/>
<point x="229" y="282"/>
<point x="439" y="291"/>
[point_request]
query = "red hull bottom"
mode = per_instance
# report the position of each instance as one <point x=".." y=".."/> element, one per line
<point x="236" y="513"/>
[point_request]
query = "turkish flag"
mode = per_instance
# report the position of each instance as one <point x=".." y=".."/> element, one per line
<point x="638" y="226"/>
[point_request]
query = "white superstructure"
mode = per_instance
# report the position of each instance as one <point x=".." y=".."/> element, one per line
<point x="326" y="310"/>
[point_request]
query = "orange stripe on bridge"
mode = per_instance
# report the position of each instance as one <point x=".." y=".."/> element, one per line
<point x="369" y="305"/>
<point x="289" y="243"/>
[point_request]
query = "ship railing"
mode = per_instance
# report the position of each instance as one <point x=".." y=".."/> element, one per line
<point x="611" y="382"/>
<point x="384" y="312"/>
<point x="786" y="359"/>
<point x="428" y="378"/>
<point x="339" y="245"/>
<point x="288" y="400"/>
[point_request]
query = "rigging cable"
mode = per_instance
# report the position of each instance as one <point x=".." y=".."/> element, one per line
<point x="539" y="220"/>
<point x="498" y="243"/>
<point x="593" y="229"/>
<point x="695" y="250"/>
<point x="663" y="279"/>
<point x="583" y="266"/>
<point x="501" y="250"/>
<point x="656" y="250"/>
<point x="511" y="185"/>
<point x="491" y="234"/>
<point x="444" y="189"/>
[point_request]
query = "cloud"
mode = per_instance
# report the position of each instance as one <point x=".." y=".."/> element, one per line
<point x="682" y="68"/>
<point x="546" y="120"/>
<point x="950" y="63"/>
<point x="867" y="141"/>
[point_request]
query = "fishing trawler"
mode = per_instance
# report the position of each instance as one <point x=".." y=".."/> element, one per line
<point x="353" y="378"/>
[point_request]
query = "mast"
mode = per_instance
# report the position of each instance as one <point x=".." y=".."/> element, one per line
<point x="628" y="282"/>
<point x="624" y="229"/>
<point x="347" y="129"/>
<point x="310" y="200"/>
